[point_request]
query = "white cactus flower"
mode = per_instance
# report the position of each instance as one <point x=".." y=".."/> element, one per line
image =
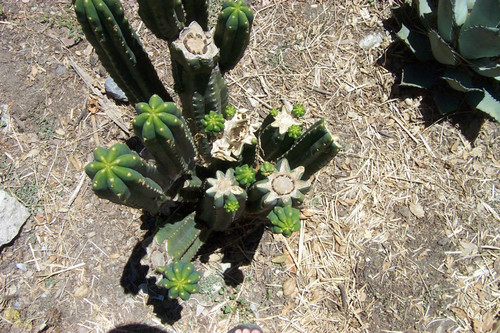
<point x="283" y="120"/>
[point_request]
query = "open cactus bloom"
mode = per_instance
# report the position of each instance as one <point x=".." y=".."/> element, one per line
<point x="224" y="185"/>
<point x="284" y="119"/>
<point x="457" y="45"/>
<point x="283" y="186"/>
<point x="284" y="220"/>
<point x="180" y="279"/>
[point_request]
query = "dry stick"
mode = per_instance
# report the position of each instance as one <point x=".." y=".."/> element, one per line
<point x="76" y="190"/>
<point x="63" y="270"/>
<point x="34" y="258"/>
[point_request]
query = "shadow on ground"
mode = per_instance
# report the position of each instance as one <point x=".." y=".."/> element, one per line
<point x="238" y="246"/>
<point x="138" y="328"/>
<point x="396" y="56"/>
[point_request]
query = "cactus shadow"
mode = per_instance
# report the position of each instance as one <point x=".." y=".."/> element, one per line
<point x="138" y="328"/>
<point x="244" y="238"/>
<point x="394" y="58"/>
<point x="134" y="279"/>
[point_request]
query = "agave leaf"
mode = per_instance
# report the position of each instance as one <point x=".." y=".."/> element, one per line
<point x="479" y="42"/>
<point x="445" y="19"/>
<point x="441" y="50"/>
<point x="487" y="101"/>
<point x="426" y="13"/>
<point x="460" y="12"/>
<point x="417" y="42"/>
<point x="419" y="75"/>
<point x="447" y="100"/>
<point x="459" y="80"/>
<point x="485" y="13"/>
<point x="487" y="68"/>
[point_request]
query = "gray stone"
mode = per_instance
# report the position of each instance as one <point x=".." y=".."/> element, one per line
<point x="370" y="41"/>
<point x="114" y="91"/>
<point x="12" y="217"/>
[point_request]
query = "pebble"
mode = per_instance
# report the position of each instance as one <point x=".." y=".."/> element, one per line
<point x="114" y="91"/>
<point x="22" y="267"/>
<point x="370" y="41"/>
<point x="60" y="70"/>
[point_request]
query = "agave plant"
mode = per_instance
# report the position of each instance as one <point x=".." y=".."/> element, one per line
<point x="457" y="45"/>
<point x="206" y="153"/>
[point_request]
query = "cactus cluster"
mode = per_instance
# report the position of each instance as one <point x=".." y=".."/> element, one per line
<point x="210" y="160"/>
<point x="457" y="50"/>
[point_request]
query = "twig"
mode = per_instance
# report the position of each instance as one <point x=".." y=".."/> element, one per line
<point x="76" y="190"/>
<point x="63" y="270"/>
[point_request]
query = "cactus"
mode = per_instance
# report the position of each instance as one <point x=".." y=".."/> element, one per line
<point x="457" y="48"/>
<point x="221" y="190"/>
<point x="313" y="149"/>
<point x="162" y="129"/>
<point x="213" y="122"/>
<point x="232" y="33"/>
<point x="284" y="220"/>
<point x="245" y="175"/>
<point x="165" y="18"/>
<point x="119" y="49"/>
<point x="180" y="279"/>
<point x="206" y="155"/>
<point x="118" y="175"/>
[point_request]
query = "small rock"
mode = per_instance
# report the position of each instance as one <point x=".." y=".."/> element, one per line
<point x="12" y="216"/>
<point x="21" y="266"/>
<point x="114" y="91"/>
<point x="370" y="41"/>
<point x="443" y="241"/>
<point x="61" y="70"/>
<point x="81" y="292"/>
<point x="290" y="288"/>
<point x="417" y="210"/>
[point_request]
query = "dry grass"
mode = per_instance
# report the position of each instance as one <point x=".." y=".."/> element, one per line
<point x="400" y="233"/>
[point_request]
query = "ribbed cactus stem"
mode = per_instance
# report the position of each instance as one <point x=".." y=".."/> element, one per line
<point x="232" y="32"/>
<point x="181" y="279"/>
<point x="165" y="18"/>
<point x="199" y="82"/>
<point x="119" y="48"/>
<point x="196" y="10"/>
<point x="164" y="133"/>
<point x="313" y="149"/>
<point x="284" y="220"/>
<point x="221" y="190"/>
<point x="179" y="235"/>
<point x="116" y="176"/>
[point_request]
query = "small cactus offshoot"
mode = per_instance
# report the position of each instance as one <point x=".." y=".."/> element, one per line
<point x="180" y="279"/>
<point x="298" y="110"/>
<point x="294" y="131"/>
<point x="266" y="168"/>
<point x="231" y="206"/>
<point x="230" y="111"/>
<point x="274" y="112"/>
<point x="284" y="220"/>
<point x="213" y="122"/>
<point x="245" y="175"/>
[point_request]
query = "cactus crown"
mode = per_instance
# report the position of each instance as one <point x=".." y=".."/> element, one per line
<point x="180" y="279"/>
<point x="284" y="220"/>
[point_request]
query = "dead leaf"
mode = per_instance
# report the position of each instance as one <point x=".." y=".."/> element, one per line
<point x="469" y="249"/>
<point x="290" y="288"/>
<point x="81" y="291"/>
<point x="289" y="263"/>
<point x="417" y="210"/>
<point x="460" y="313"/>
<point x="279" y="259"/>
<point x="287" y="308"/>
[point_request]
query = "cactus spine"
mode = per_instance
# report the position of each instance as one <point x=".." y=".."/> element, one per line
<point x="232" y="32"/>
<point x="119" y="48"/>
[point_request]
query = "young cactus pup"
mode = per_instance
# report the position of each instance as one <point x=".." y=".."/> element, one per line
<point x="180" y="279"/>
<point x="284" y="220"/>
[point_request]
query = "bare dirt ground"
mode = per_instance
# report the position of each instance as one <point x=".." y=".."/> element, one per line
<point x="401" y="232"/>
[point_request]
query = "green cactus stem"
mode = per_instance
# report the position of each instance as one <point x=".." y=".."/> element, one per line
<point x="182" y="236"/>
<point x="200" y="84"/>
<point x="245" y="175"/>
<point x="162" y="129"/>
<point x="284" y="220"/>
<point x="298" y="110"/>
<point x="213" y="122"/>
<point x="232" y="33"/>
<point x="165" y="18"/>
<point x="181" y="279"/>
<point x="191" y="191"/>
<point x="275" y="136"/>
<point x="266" y="169"/>
<point x="313" y="149"/>
<point x="119" y="49"/>
<point x="221" y="190"/>
<point x="282" y="187"/>
<point x="118" y="174"/>
<point x="196" y="10"/>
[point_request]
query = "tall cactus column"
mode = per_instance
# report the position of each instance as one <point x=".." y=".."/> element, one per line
<point x="199" y="81"/>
